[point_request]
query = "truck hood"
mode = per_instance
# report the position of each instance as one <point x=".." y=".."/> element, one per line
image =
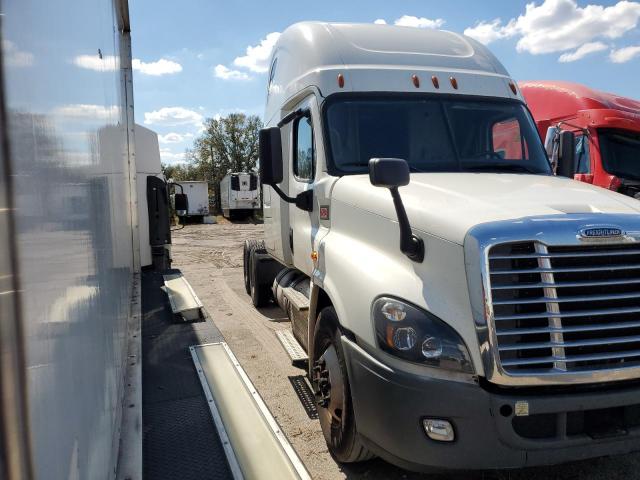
<point x="447" y="205"/>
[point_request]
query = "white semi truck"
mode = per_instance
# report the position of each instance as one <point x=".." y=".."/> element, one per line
<point x="461" y="306"/>
<point x="239" y="194"/>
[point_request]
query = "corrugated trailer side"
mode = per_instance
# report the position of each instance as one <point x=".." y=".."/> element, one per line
<point x="70" y="256"/>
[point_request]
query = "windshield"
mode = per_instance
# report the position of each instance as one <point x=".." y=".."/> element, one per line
<point x="620" y="152"/>
<point x="434" y="135"/>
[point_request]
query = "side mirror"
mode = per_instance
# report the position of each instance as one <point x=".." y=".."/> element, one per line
<point x="567" y="155"/>
<point x="271" y="168"/>
<point x="392" y="173"/>
<point x="388" y="172"/>
<point x="549" y="143"/>
<point x="181" y="203"/>
<point x="270" y="148"/>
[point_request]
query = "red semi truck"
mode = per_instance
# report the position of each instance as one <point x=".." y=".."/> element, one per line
<point x="606" y="127"/>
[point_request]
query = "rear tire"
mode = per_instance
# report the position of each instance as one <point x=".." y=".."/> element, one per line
<point x="336" y="414"/>
<point x="249" y="245"/>
<point x="260" y="292"/>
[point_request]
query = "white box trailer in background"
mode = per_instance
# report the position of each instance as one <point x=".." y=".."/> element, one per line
<point x="198" y="196"/>
<point x="239" y="194"/>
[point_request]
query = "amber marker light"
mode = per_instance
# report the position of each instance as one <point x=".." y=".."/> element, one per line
<point x="415" y="80"/>
<point x="340" y="80"/>
<point x="314" y="256"/>
<point x="454" y="83"/>
<point x="435" y="81"/>
<point x="512" y="86"/>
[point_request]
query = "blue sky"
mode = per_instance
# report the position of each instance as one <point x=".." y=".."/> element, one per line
<point x="201" y="58"/>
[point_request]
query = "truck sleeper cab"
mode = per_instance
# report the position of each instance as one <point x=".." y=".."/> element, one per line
<point x="465" y="309"/>
<point x="607" y="129"/>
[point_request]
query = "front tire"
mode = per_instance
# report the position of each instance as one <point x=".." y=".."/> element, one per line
<point x="333" y="395"/>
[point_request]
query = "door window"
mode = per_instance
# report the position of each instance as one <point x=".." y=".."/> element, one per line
<point x="304" y="151"/>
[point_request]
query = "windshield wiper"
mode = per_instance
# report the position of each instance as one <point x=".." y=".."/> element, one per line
<point x="510" y="167"/>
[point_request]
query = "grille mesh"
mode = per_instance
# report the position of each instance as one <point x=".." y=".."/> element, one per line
<point x="566" y="309"/>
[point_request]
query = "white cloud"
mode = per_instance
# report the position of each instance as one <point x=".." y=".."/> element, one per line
<point x="173" y="137"/>
<point x="419" y="22"/>
<point x="88" y="111"/>
<point x="108" y="63"/>
<point x="172" y="116"/>
<point x="487" y="32"/>
<point x="257" y="57"/>
<point x="14" y="57"/>
<point x="220" y="71"/>
<point x="157" y="68"/>
<point x="625" y="54"/>
<point x="411" y="21"/>
<point x="167" y="156"/>
<point x="561" y="25"/>
<point x="582" y="52"/>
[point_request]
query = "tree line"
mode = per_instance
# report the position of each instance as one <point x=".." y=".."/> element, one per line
<point x="228" y="144"/>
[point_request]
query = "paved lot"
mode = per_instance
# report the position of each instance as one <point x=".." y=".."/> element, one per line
<point x="210" y="256"/>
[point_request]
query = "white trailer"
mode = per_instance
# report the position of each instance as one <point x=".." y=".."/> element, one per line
<point x="239" y="194"/>
<point x="197" y="193"/>
<point x="73" y="237"/>
<point x="461" y="306"/>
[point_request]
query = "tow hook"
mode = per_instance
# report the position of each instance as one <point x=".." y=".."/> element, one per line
<point x="322" y="387"/>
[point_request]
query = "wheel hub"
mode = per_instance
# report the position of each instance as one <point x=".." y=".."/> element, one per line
<point x="329" y="386"/>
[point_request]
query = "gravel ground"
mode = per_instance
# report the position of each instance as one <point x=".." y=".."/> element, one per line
<point x="210" y="256"/>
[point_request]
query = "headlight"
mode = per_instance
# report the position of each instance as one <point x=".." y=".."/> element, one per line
<point x="415" y="335"/>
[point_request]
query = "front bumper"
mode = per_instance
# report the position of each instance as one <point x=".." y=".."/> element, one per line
<point x="390" y="403"/>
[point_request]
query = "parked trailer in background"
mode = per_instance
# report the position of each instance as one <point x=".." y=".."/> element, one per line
<point x="239" y="194"/>
<point x="607" y="129"/>
<point x="197" y="193"/>
<point x="461" y="306"/>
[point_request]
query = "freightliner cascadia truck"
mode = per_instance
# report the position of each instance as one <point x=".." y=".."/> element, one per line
<point x="461" y="306"/>
<point x="606" y="126"/>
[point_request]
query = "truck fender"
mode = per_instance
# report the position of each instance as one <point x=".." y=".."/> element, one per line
<point x="318" y="299"/>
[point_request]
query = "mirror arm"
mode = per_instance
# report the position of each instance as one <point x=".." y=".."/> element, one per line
<point x="303" y="201"/>
<point x="411" y="245"/>
<point x="283" y="195"/>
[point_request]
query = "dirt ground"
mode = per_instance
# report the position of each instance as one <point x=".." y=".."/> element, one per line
<point x="210" y="256"/>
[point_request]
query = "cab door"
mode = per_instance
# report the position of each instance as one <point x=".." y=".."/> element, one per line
<point x="303" y="226"/>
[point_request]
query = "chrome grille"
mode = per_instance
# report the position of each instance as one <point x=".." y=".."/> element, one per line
<point x="565" y="309"/>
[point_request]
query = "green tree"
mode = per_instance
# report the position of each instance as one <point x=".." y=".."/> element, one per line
<point x="228" y="144"/>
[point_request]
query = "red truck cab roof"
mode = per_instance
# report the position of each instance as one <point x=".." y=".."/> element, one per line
<point x="554" y="101"/>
